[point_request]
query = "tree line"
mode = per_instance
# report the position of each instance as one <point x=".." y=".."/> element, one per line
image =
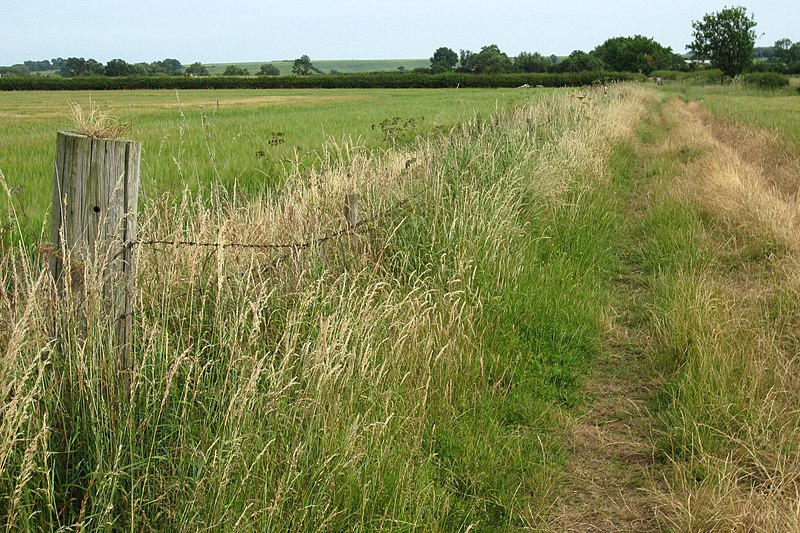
<point x="725" y="39"/>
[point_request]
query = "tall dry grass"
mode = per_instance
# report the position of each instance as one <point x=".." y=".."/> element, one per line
<point x="350" y="385"/>
<point x="732" y="411"/>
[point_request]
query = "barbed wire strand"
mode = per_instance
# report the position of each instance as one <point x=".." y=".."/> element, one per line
<point x="350" y="230"/>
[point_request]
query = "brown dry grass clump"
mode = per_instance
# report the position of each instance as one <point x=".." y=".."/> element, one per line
<point x="95" y="122"/>
<point x="733" y="414"/>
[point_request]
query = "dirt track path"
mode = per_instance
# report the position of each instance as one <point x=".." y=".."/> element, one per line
<point x="610" y="448"/>
<point x="611" y="469"/>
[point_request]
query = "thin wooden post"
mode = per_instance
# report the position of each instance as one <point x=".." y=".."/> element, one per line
<point x="351" y="209"/>
<point x="95" y="200"/>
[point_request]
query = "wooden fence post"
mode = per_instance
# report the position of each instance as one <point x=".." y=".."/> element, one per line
<point x="95" y="200"/>
<point x="351" y="209"/>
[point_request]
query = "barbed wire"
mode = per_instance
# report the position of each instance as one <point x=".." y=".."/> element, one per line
<point x="359" y="227"/>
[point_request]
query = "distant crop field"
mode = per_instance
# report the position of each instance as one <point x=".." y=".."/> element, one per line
<point x="345" y="66"/>
<point x="241" y="138"/>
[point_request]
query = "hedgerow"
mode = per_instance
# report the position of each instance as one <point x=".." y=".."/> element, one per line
<point x="377" y="80"/>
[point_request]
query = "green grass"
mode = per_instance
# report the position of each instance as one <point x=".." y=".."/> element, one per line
<point x="706" y="249"/>
<point x="194" y="138"/>
<point x="409" y="378"/>
<point x="774" y="110"/>
<point x="343" y="66"/>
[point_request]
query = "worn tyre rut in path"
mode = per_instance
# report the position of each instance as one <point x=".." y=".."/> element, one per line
<point x="615" y="471"/>
<point x="609" y="475"/>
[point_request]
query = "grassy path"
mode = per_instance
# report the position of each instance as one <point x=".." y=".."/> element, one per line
<point x="692" y="421"/>
<point x="610" y="475"/>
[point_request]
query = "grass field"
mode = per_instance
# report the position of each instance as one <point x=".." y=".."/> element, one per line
<point x="569" y="314"/>
<point x="777" y="111"/>
<point x="410" y="377"/>
<point x="194" y="138"/>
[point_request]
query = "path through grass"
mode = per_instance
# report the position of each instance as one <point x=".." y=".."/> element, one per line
<point x="694" y="425"/>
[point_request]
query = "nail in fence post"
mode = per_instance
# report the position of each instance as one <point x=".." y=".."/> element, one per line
<point x="351" y="209"/>
<point x="95" y="200"/>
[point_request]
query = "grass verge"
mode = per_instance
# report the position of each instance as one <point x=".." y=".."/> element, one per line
<point x="725" y="328"/>
<point x="410" y="377"/>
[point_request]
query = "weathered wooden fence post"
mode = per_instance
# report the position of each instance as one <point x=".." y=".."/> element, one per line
<point x="351" y="209"/>
<point x="95" y="200"/>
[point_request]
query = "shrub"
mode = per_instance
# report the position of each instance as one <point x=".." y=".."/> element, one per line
<point x="711" y="76"/>
<point x="766" y="80"/>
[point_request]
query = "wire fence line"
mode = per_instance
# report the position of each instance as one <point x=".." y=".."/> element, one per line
<point x="359" y="227"/>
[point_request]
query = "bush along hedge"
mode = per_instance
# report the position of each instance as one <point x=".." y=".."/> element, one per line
<point x="377" y="80"/>
<point x="766" y="80"/>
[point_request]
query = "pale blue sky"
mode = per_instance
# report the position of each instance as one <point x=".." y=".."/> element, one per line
<point x="259" y="30"/>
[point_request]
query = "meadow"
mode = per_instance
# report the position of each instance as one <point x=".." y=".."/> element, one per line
<point x="377" y="382"/>
<point x="773" y="110"/>
<point x="568" y="311"/>
<point x="243" y="140"/>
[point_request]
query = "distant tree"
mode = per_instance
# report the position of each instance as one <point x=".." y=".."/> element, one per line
<point x="78" y="66"/>
<point x="233" y="70"/>
<point x="196" y="69"/>
<point x="18" y="70"/>
<point x="527" y="62"/>
<point x="490" y="60"/>
<point x="726" y="38"/>
<point x="465" y="61"/>
<point x="401" y="68"/>
<point x="786" y="52"/>
<point x="580" y="61"/>
<point x="302" y="66"/>
<point x="144" y="69"/>
<point x="168" y="66"/>
<point x="119" y="67"/>
<point x="764" y="52"/>
<point x="443" y="60"/>
<point x="93" y="68"/>
<point x="38" y="66"/>
<point x="58" y="63"/>
<point x="634" y="54"/>
<point x="553" y="59"/>
<point x="268" y="69"/>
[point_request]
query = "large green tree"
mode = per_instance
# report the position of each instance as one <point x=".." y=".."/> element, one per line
<point x="726" y="38"/>
<point x="197" y="69"/>
<point x="634" y="54"/>
<point x="302" y="65"/>
<point x="268" y="69"/>
<point x="168" y="66"/>
<point x="233" y="70"/>
<point x="786" y="52"/>
<point x="528" y="62"/>
<point x="119" y="67"/>
<point x="78" y="66"/>
<point x="580" y="61"/>
<point x="443" y="60"/>
<point x="490" y="60"/>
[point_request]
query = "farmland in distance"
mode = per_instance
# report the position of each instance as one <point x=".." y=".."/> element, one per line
<point x="236" y="138"/>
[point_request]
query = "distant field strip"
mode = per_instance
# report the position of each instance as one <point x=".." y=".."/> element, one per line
<point x="327" y="65"/>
